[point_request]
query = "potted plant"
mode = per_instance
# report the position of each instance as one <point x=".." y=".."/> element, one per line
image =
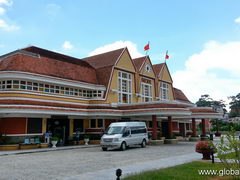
<point x="54" y="141"/>
<point x="206" y="148"/>
<point x="86" y="139"/>
<point x="218" y="134"/>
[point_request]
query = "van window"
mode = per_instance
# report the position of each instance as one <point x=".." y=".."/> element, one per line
<point x="138" y="129"/>
<point x="115" y="130"/>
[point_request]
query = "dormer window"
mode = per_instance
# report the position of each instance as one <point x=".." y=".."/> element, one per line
<point x="124" y="87"/>
<point x="146" y="90"/>
<point x="164" y="91"/>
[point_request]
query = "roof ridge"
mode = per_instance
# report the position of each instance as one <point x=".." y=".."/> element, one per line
<point x="103" y="53"/>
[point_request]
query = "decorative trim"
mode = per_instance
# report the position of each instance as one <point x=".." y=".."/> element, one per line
<point x="49" y="79"/>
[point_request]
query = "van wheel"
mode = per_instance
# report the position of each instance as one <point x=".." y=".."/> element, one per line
<point x="104" y="148"/>
<point x="123" y="146"/>
<point x="143" y="145"/>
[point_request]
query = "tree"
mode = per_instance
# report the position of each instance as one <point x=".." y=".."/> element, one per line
<point x="206" y="101"/>
<point x="235" y="105"/>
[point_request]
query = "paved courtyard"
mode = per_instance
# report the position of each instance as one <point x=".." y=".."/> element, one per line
<point x="92" y="163"/>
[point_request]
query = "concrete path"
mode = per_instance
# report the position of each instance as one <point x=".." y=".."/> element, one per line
<point x="109" y="174"/>
<point x="90" y="162"/>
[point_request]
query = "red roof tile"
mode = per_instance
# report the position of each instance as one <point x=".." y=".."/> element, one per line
<point x="139" y="61"/>
<point x="158" y="67"/>
<point x="105" y="59"/>
<point x="55" y="55"/>
<point x="179" y="95"/>
<point x="49" y="66"/>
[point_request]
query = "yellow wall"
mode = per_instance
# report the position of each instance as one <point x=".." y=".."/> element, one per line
<point x="144" y="72"/>
<point x="125" y="62"/>
<point x="86" y="123"/>
<point x="164" y="75"/>
<point x="42" y="97"/>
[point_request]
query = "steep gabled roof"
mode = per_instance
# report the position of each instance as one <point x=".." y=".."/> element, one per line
<point x="157" y="68"/>
<point x="105" y="59"/>
<point x="139" y="62"/>
<point x="179" y="95"/>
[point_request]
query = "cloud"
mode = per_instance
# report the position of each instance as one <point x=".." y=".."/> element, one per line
<point x="2" y="11"/>
<point x="67" y="45"/>
<point x="6" y="2"/>
<point x="7" y="27"/>
<point x="237" y="20"/>
<point x="132" y="47"/>
<point x="214" y="71"/>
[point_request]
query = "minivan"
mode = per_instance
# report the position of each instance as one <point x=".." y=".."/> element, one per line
<point x="124" y="134"/>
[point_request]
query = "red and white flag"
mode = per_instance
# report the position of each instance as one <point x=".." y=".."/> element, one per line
<point x="147" y="47"/>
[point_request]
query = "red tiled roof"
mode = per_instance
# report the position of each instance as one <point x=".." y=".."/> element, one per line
<point x="179" y="95"/>
<point x="95" y="69"/>
<point x="104" y="75"/>
<point x="50" y="66"/>
<point x="158" y="67"/>
<point x="139" y="61"/>
<point x="55" y="55"/>
<point x="105" y="59"/>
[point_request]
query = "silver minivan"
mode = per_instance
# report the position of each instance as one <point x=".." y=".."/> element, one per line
<point x="124" y="134"/>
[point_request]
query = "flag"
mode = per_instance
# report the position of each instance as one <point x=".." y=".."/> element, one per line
<point x="146" y="47"/>
<point x="167" y="56"/>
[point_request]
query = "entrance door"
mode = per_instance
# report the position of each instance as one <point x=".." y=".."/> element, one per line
<point x="59" y="127"/>
<point x="182" y="129"/>
<point x="165" y="129"/>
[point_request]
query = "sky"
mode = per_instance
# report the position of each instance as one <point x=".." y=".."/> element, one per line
<point x="202" y="36"/>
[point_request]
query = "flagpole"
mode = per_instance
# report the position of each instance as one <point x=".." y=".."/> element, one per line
<point x="166" y="57"/>
<point x="148" y="49"/>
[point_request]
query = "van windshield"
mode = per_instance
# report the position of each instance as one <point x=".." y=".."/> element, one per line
<point x="115" y="130"/>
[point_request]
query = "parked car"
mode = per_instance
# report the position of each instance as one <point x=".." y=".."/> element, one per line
<point x="124" y="134"/>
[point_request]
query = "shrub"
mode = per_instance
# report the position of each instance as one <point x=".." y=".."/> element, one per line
<point x="4" y="139"/>
<point x="229" y="145"/>
<point x="202" y="146"/>
<point x="54" y="138"/>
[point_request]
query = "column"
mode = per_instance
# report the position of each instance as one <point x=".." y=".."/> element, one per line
<point x="154" y="122"/>
<point x="194" y="133"/>
<point x="71" y="123"/>
<point x="203" y="128"/>
<point x="44" y="125"/>
<point x="170" y="128"/>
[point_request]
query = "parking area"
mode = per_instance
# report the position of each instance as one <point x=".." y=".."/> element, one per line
<point x="68" y="164"/>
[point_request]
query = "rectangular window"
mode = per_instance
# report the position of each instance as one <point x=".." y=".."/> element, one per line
<point x="78" y="124"/>
<point x="100" y="123"/>
<point x="146" y="89"/>
<point x="34" y="125"/>
<point x="29" y="86"/>
<point x="164" y="91"/>
<point x="9" y="84"/>
<point x="124" y="87"/>
<point x="93" y="123"/>
<point x="16" y="84"/>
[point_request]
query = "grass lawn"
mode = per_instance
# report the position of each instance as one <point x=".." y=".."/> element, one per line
<point x="187" y="171"/>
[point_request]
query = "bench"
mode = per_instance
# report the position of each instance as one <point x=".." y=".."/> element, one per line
<point x="30" y="143"/>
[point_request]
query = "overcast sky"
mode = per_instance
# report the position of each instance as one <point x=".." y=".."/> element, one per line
<point x="201" y="36"/>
